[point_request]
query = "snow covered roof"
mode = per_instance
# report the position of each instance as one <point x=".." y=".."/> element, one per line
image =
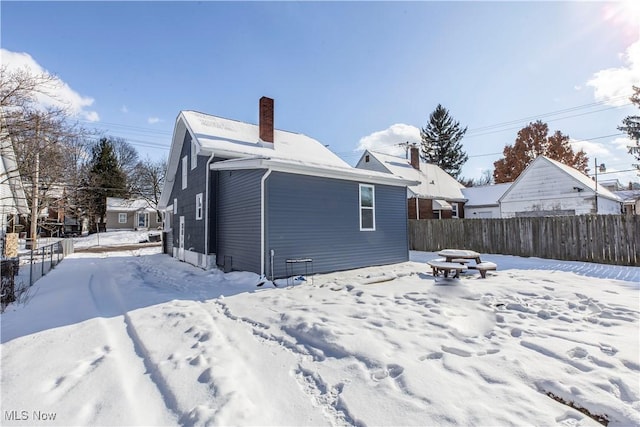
<point x="628" y="196"/>
<point x="127" y="205"/>
<point x="235" y="140"/>
<point x="486" y="195"/>
<point x="433" y="182"/>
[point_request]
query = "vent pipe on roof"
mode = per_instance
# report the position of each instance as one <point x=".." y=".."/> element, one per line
<point x="266" y="119"/>
<point x="415" y="158"/>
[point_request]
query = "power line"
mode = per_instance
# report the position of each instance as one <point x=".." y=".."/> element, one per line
<point x="552" y="113"/>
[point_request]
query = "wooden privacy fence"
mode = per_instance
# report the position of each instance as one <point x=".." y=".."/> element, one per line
<point x="607" y="239"/>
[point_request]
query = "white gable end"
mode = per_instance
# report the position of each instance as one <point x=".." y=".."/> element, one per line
<point x="548" y="188"/>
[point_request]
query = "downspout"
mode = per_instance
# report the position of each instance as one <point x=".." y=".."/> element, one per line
<point x="262" y="220"/>
<point x="206" y="221"/>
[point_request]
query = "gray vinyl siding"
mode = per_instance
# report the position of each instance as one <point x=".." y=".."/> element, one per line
<point x="319" y="218"/>
<point x="196" y="183"/>
<point x="112" y="219"/>
<point x="239" y="223"/>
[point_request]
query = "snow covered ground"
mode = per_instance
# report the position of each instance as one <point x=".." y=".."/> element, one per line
<point x="138" y="338"/>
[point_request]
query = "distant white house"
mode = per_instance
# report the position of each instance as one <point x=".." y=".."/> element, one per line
<point x="131" y="214"/>
<point x="483" y="202"/>
<point x="550" y="188"/>
<point x="13" y="202"/>
<point x="436" y="196"/>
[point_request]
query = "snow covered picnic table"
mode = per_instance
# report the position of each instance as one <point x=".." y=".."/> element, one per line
<point x="453" y="258"/>
<point x="446" y="267"/>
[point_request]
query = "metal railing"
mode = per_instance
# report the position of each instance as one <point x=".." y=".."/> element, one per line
<point x="20" y="273"/>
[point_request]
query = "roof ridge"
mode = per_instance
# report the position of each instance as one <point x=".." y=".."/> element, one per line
<point x="242" y="122"/>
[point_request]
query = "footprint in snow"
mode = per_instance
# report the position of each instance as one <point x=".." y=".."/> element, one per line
<point x="608" y="350"/>
<point x="197" y="361"/>
<point x="393" y="371"/>
<point x="205" y="376"/>
<point x="577" y="353"/>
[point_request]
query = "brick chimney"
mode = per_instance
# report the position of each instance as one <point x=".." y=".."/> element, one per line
<point x="266" y="119"/>
<point x="415" y="158"/>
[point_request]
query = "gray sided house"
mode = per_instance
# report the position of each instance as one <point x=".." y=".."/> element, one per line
<point x="249" y="197"/>
<point x="131" y="214"/>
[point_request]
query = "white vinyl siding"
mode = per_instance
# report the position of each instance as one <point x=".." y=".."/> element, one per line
<point x="185" y="164"/>
<point x="199" y="206"/>
<point x="122" y="218"/>
<point x="367" y="208"/>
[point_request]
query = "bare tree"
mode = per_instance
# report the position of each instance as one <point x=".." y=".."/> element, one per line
<point x="149" y="179"/>
<point x="36" y="134"/>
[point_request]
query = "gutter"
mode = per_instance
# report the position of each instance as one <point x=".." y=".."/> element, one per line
<point x="262" y="220"/>
<point x="206" y="197"/>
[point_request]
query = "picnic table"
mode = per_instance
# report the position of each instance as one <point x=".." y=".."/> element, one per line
<point x="459" y="255"/>
<point x="454" y="258"/>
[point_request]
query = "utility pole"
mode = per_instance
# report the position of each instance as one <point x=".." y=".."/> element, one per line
<point x="406" y="145"/>
<point x="602" y="168"/>
<point x="34" y="208"/>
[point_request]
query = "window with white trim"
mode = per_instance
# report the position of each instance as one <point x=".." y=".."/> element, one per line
<point x="367" y="208"/>
<point x="122" y="218"/>
<point x="194" y="155"/>
<point x="199" y="206"/>
<point x="143" y="220"/>
<point x="454" y="210"/>
<point x="185" y="164"/>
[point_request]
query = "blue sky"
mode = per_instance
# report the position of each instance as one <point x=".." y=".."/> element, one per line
<point x="350" y="74"/>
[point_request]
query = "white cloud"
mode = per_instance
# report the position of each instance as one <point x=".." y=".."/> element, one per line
<point x="386" y="141"/>
<point x="590" y="148"/>
<point x="623" y="143"/>
<point x="153" y="120"/>
<point x="613" y="85"/>
<point x="58" y="93"/>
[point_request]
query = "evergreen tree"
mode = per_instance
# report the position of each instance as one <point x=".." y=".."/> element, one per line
<point x="441" y="142"/>
<point x="532" y="141"/>
<point x="105" y="179"/>
<point x="631" y="125"/>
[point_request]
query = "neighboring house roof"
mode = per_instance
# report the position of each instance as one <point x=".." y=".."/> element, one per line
<point x="580" y="178"/>
<point x="432" y="181"/>
<point x="12" y="197"/>
<point x="116" y="204"/>
<point x="628" y="197"/>
<point x="240" y="143"/>
<point x="486" y="195"/>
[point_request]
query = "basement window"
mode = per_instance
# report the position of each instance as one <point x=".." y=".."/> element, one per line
<point x="367" y="208"/>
